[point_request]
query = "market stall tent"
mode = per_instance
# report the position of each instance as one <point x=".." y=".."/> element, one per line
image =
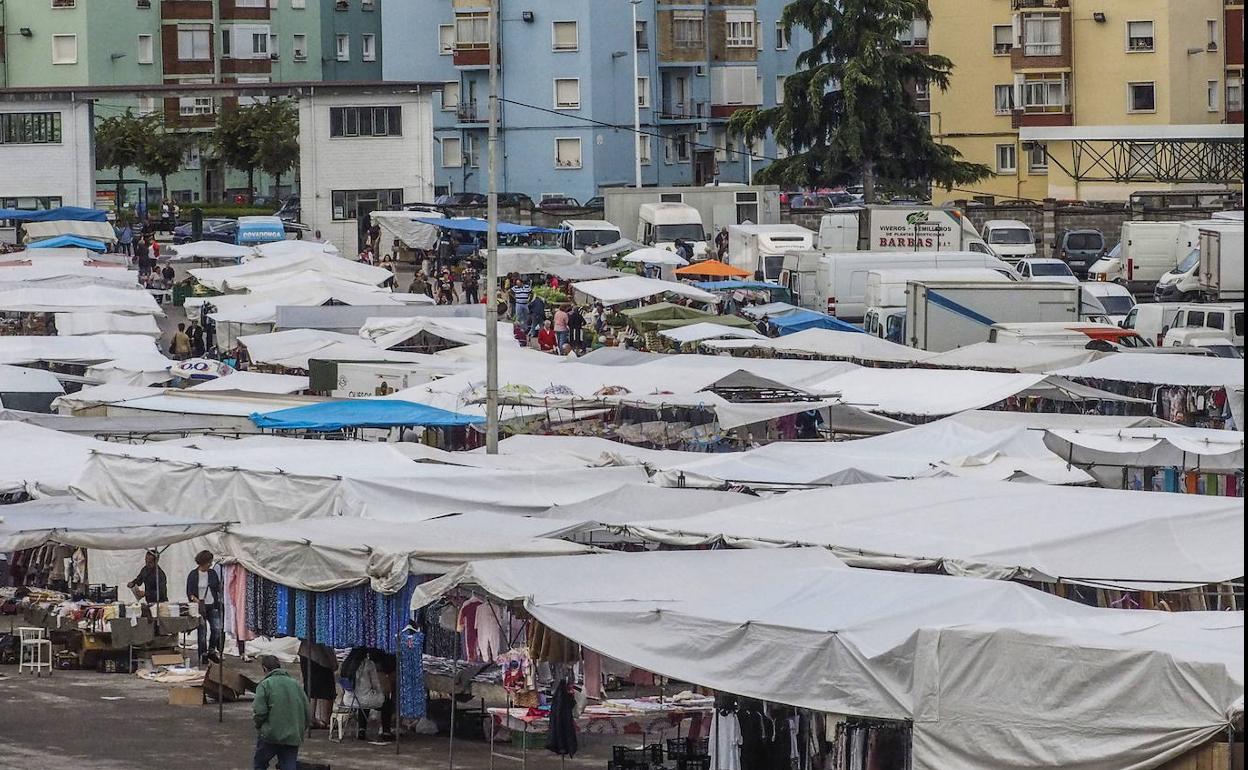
<point x="90" y="525"/>
<point x="361" y="413"/>
<point x="30" y="390"/>
<point x="1105" y="453"/>
<point x="1160" y="369"/>
<point x="209" y="251"/>
<point x="712" y="268"/>
<point x="63" y="241"/>
<point x="526" y="261"/>
<point x="75" y="324"/>
<point x="992" y="674"/>
<point x="629" y="288"/>
<point x="88" y="299"/>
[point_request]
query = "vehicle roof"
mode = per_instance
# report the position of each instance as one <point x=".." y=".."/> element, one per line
<point x="1106" y="289"/>
<point x="1042" y="260"/>
<point x="1056" y="326"/>
<point x="1075" y="230"/>
<point x="1007" y="223"/>
<point x="598" y="224"/>
<point x="1210" y="306"/>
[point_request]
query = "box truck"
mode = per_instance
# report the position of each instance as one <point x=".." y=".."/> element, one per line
<point x="942" y="316"/>
<point x="836" y="282"/>
<point x="886" y="290"/>
<point x="1221" y="271"/>
<point x="718" y="205"/>
<point x="760" y="249"/>
<point x="899" y="228"/>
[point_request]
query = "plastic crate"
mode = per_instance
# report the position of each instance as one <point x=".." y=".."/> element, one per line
<point x="693" y="763"/>
<point x="533" y="739"/>
<point x="678" y="748"/>
<point x="629" y="758"/>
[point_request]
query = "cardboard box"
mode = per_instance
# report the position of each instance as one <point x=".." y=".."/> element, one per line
<point x="168" y="660"/>
<point x="231" y="685"/>
<point x="186" y="696"/>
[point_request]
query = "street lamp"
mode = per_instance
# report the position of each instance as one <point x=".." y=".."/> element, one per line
<point x="636" y="102"/>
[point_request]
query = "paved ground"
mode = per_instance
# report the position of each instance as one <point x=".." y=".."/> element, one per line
<point x="82" y="719"/>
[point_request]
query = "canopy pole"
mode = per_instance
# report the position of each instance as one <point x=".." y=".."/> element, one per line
<point x="491" y="251"/>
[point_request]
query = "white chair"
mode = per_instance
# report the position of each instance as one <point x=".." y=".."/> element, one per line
<point x="340" y="720"/>
<point x="31" y="651"/>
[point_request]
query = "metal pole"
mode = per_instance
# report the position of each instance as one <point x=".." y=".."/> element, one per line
<point x="491" y="252"/>
<point x="637" y="137"/>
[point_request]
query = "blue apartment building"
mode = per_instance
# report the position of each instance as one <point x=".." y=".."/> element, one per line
<point x="566" y="81"/>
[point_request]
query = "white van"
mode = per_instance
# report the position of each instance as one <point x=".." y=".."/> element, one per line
<point x="1151" y="319"/>
<point x="1011" y="239"/>
<point x="760" y="249"/>
<point x="1146" y="256"/>
<point x="1064" y="334"/>
<point x="836" y="282"/>
<point x="580" y="234"/>
<point x="662" y="224"/>
<point x="1115" y="298"/>
<point x="1222" y="319"/>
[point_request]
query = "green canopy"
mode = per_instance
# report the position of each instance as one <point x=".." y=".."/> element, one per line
<point x="734" y="321"/>
<point x="644" y="318"/>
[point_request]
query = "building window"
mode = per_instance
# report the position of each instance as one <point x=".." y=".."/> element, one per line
<point x="1038" y="158"/>
<point x="687" y="29"/>
<point x="1007" y="159"/>
<point x="251" y="3"/>
<point x="446" y="39"/>
<point x="450" y="95"/>
<point x="452" y="153"/>
<point x="1139" y="36"/>
<point x="259" y="45"/>
<point x="146" y="50"/>
<point x="563" y="36"/>
<point x="63" y="3"/>
<point x="195" y="44"/>
<point x="274" y="42"/>
<point x="147" y="105"/>
<point x="226" y="45"/>
<point x="1211" y="29"/>
<point x="1042" y="34"/>
<point x="143" y="4"/>
<point x="64" y="49"/>
<point x="567" y="94"/>
<point x="735" y="85"/>
<point x="365" y="121"/>
<point x="784" y="38"/>
<point x="1234" y="94"/>
<point x="368" y="47"/>
<point x="368" y="5"/>
<point x="915" y="34"/>
<point x="473" y="153"/>
<point x="1002" y="39"/>
<point x="780" y="79"/>
<point x="343" y="47"/>
<point x="643" y="149"/>
<point x="1045" y="95"/>
<point x="643" y="92"/>
<point x="1211" y="95"/>
<point x="1003" y="99"/>
<point x="472" y="30"/>
<point x="30" y="128"/>
<point x="298" y="4"/>
<point x="195" y="105"/>
<point x="922" y="89"/>
<point x="676" y="149"/>
<point x="739" y="29"/>
<point x="299" y="47"/>
<point x="642" y="40"/>
<point x="1141" y="97"/>
<point x="568" y="153"/>
<point x="347" y="204"/>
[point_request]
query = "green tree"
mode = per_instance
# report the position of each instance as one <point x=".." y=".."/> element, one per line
<point x="277" y="138"/>
<point x="848" y="112"/>
<point x="163" y="152"/>
<point x="119" y="143"/>
<point x="235" y="144"/>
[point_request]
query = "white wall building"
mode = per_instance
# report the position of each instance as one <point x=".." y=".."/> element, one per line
<point x="362" y="150"/>
<point x="47" y="158"/>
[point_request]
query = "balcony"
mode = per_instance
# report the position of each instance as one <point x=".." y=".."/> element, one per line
<point x="1031" y="5"/>
<point x="675" y="110"/>
<point x="472" y="113"/>
<point x="1045" y="41"/>
<point x="472" y="55"/>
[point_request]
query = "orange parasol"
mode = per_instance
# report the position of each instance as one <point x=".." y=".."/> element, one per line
<point x="714" y="268"/>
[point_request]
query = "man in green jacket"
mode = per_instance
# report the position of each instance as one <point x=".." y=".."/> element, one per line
<point x="281" y="713"/>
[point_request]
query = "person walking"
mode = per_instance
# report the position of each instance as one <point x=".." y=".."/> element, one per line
<point x="721" y="244"/>
<point x="446" y="289"/>
<point x="521" y="292"/>
<point x="537" y="314"/>
<point x="281" y="713"/>
<point x="199" y="345"/>
<point x="203" y="585"/>
<point x="180" y="347"/>
<point x="125" y="240"/>
<point x="419" y="285"/>
<point x="471" y="281"/>
<point x="561" y="323"/>
<point x="141" y="256"/>
<point x="576" y="328"/>
<point x="151" y="583"/>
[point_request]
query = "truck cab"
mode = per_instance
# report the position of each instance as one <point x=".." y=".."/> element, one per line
<point x="581" y="234"/>
<point x="662" y="224"/>
<point x="1010" y="239"/>
<point x="1222" y="319"/>
<point x="799" y="273"/>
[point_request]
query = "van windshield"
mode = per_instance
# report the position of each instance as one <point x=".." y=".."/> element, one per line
<point x="1117" y="304"/>
<point x="688" y="232"/>
<point x="1049" y="268"/>
<point x="1084" y="242"/>
<point x="583" y="239"/>
<point x="1012" y="236"/>
<point x="1189" y="262"/>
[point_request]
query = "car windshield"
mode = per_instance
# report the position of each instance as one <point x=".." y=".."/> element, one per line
<point x="688" y="232"/>
<point x="1012" y="236"/>
<point x="1050" y="268"/>
<point x="1189" y="262"/>
<point x="1132" y="341"/>
<point x="583" y="239"/>
<point x="1117" y="304"/>
<point x="1084" y="242"/>
<point x="1224" y="351"/>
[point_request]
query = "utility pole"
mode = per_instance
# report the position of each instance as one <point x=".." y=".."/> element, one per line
<point x="491" y="249"/>
<point x="637" y="137"/>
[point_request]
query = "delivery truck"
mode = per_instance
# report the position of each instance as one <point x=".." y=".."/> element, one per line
<point x="942" y="316"/>
<point x="1221" y="271"/>
<point x="886" y="290"/>
<point x="760" y="249"/>
<point x="1147" y="254"/>
<point x="899" y="228"/>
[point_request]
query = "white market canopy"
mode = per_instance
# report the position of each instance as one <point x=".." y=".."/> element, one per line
<point x="264" y="270"/>
<point x="85" y="299"/>
<point x="1011" y="358"/>
<point x="1105" y="452"/>
<point x="641" y="502"/>
<point x="329" y="553"/>
<point x="709" y="331"/>
<point x="82" y="324"/>
<point x="208" y="250"/>
<point x="992" y="529"/>
<point x="39" y="461"/>
<point x="629" y="288"/>
<point x="76" y="350"/>
<point x="256" y="382"/>
<point x="526" y="261"/>
<point x="655" y="256"/>
<point x="992" y="674"/>
<point x="1161" y="369"/>
<point x="88" y="525"/>
<point x="293" y="348"/>
<point x="406" y="226"/>
<point x="925" y="392"/>
<point x="290" y="247"/>
<point x="825" y="343"/>
<point x="96" y="231"/>
<point x="67" y="273"/>
<point x="22" y="379"/>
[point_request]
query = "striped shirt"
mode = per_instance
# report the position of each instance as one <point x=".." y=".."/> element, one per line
<point x="521" y="293"/>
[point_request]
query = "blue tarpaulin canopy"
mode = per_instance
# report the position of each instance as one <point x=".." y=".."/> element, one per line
<point x="73" y="213"/>
<point x="800" y="320"/>
<point x="68" y="241"/>
<point x="360" y="413"/>
<point x="474" y="225"/>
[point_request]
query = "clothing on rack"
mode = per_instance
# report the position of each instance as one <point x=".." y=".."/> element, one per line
<point x="411" y="684"/>
<point x="561" y="737"/>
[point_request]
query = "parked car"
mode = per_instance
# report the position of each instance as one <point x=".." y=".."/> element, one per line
<point x="596" y="202"/>
<point x="1116" y="299"/>
<point x="215" y="229"/>
<point x="519" y="200"/>
<point x="1046" y="270"/>
<point x="559" y="202"/>
<point x="1080" y="249"/>
<point x="290" y="210"/>
<point x="462" y="199"/>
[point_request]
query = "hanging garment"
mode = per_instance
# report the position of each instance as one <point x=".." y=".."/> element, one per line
<point x="411" y="683"/>
<point x="490" y="642"/>
<point x="561" y="738"/>
<point x="725" y="741"/>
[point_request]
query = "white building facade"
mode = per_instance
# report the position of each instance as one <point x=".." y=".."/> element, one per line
<point x="47" y="158"/>
<point x="362" y="150"/>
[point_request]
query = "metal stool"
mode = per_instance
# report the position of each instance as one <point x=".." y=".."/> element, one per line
<point x="32" y="643"/>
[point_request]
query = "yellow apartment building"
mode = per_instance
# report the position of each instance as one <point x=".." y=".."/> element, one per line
<point x="1090" y="99"/>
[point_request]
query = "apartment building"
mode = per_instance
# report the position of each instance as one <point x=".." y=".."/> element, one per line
<point x="116" y="43"/>
<point x="566" y="78"/>
<point x="1041" y="88"/>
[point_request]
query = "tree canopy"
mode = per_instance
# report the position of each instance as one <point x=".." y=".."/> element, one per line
<point x="849" y="111"/>
<point x="264" y="136"/>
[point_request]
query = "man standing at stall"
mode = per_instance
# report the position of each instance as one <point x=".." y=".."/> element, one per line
<point x="203" y="586"/>
<point x="281" y="714"/>
<point x="150" y="583"/>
